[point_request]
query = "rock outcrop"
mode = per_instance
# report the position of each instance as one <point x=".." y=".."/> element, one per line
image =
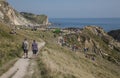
<point x="97" y="41"/>
<point x="115" y="34"/>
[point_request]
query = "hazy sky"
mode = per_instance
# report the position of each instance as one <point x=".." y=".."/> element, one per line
<point x="70" y="8"/>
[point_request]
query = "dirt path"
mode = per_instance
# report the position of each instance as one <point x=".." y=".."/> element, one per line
<point x="20" y="67"/>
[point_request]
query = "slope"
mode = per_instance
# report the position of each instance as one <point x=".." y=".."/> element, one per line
<point x="56" y="61"/>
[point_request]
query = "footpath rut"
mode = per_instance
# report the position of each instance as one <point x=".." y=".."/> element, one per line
<point x="19" y="69"/>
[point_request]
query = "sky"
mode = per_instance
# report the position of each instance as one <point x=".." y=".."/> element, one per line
<point x="70" y="8"/>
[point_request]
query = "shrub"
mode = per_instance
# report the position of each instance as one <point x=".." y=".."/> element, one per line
<point x="57" y="31"/>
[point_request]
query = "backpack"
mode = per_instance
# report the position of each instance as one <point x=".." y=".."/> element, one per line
<point x="24" y="45"/>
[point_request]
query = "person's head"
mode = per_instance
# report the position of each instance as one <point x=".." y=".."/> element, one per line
<point x="34" y="41"/>
<point x="25" y="39"/>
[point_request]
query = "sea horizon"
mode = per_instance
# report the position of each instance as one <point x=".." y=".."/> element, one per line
<point x="82" y="17"/>
<point x="107" y="24"/>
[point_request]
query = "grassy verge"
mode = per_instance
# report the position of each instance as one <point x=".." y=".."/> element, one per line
<point x="7" y="65"/>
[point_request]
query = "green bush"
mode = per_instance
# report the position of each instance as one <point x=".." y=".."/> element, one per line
<point x="57" y="31"/>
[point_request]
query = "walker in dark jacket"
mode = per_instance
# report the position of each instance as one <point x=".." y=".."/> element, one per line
<point x="34" y="47"/>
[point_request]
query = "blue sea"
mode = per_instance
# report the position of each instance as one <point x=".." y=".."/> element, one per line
<point x="106" y="23"/>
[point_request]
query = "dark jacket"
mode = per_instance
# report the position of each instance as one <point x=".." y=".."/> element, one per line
<point x="34" y="46"/>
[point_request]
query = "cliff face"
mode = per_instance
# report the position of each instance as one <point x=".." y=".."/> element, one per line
<point x="115" y="34"/>
<point x="11" y="16"/>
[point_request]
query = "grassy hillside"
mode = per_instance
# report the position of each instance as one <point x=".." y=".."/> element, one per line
<point x="56" y="61"/>
<point x="10" y="45"/>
